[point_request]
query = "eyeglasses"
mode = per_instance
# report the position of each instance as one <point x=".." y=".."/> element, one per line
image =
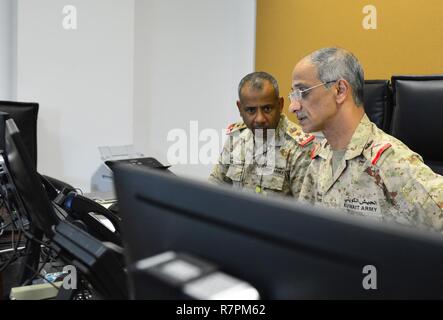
<point x="297" y="94"/>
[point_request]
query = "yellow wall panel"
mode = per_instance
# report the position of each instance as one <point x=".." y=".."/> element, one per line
<point x="408" y="38"/>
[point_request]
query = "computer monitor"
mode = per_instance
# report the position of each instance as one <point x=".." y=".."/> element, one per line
<point x="23" y="192"/>
<point x="286" y="250"/>
<point x="30" y="199"/>
<point x="3" y="117"/>
<point x="101" y="263"/>
<point x="30" y="194"/>
<point x="25" y="116"/>
<point x="33" y="197"/>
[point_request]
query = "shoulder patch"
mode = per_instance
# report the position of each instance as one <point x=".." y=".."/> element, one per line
<point x="379" y="151"/>
<point x="235" y="126"/>
<point x="314" y="150"/>
<point x="309" y="138"/>
<point x="299" y="136"/>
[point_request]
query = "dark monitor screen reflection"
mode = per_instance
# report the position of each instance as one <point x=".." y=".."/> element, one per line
<point x="284" y="249"/>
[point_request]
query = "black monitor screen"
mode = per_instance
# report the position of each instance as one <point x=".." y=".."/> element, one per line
<point x="25" y="117"/>
<point x="284" y="249"/>
<point x="26" y="180"/>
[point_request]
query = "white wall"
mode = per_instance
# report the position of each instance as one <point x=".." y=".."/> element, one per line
<point x="132" y="71"/>
<point x="7" y="36"/>
<point x="189" y="57"/>
<point x="83" y="80"/>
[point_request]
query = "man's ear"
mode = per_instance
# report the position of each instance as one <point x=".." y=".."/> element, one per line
<point x="343" y="90"/>
<point x="239" y="106"/>
<point x="281" y="103"/>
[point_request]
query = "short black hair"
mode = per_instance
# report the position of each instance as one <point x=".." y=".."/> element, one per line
<point x="256" y="80"/>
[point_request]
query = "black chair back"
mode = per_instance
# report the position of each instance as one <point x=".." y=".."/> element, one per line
<point x="378" y="103"/>
<point x="418" y="114"/>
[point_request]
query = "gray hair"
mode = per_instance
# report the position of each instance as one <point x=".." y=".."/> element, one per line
<point x="336" y="63"/>
<point x="257" y="80"/>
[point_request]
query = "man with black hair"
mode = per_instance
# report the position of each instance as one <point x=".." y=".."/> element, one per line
<point x="265" y="153"/>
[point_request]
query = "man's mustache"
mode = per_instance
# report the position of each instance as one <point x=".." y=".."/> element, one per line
<point x="300" y="115"/>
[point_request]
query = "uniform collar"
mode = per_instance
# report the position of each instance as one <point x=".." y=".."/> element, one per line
<point x="358" y="141"/>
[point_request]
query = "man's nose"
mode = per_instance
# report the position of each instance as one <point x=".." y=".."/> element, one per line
<point x="294" y="106"/>
<point x="260" y="118"/>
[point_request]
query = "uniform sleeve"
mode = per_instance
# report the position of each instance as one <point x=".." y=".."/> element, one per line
<point x="218" y="174"/>
<point x="299" y="162"/>
<point x="415" y="189"/>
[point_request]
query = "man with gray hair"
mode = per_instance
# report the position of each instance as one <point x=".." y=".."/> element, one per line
<point x="265" y="153"/>
<point x="358" y="168"/>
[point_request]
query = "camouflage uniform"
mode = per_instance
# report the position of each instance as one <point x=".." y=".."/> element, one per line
<point x="289" y="157"/>
<point x="378" y="177"/>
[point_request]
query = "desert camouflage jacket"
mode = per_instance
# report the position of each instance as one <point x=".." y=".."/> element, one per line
<point x="277" y="167"/>
<point x="378" y="177"/>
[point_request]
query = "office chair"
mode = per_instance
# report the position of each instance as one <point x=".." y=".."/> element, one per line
<point x="378" y="103"/>
<point x="418" y="110"/>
